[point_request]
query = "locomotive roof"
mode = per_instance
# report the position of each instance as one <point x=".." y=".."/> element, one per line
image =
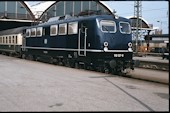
<point x="12" y="31"/>
<point x="81" y="18"/>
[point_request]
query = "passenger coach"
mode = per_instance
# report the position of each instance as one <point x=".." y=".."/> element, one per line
<point x="11" y="41"/>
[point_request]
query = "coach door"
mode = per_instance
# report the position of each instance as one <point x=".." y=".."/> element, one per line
<point x="82" y="40"/>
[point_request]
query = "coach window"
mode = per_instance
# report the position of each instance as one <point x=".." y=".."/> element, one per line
<point x="53" y="30"/>
<point x="13" y="39"/>
<point x="33" y="32"/>
<point x="0" y="40"/>
<point x="28" y="33"/>
<point x="73" y="28"/>
<point x="108" y="26"/>
<point x="39" y="31"/>
<point x="16" y="39"/>
<point x="6" y="40"/>
<point x="9" y="39"/>
<point x="125" y="27"/>
<point x="63" y="29"/>
<point x="3" y="40"/>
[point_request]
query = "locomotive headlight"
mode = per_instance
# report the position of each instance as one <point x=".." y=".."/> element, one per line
<point x="105" y="49"/>
<point x="105" y="44"/>
<point x="130" y="44"/>
<point x="130" y="50"/>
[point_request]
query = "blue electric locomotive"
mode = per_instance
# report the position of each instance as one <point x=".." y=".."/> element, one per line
<point x="98" y="41"/>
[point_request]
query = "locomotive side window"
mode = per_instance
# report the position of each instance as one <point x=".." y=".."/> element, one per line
<point x="125" y="27"/>
<point x="108" y="26"/>
<point x="73" y="28"/>
<point x="53" y="30"/>
<point x="63" y="29"/>
<point x="28" y="33"/>
<point x="39" y="31"/>
<point x="33" y="32"/>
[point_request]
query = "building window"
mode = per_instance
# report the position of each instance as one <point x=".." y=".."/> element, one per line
<point x="73" y="28"/>
<point x="63" y="29"/>
<point x="39" y="31"/>
<point x="53" y="30"/>
<point x="33" y="32"/>
<point x="28" y="33"/>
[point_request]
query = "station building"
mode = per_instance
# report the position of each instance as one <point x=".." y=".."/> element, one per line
<point x="15" y="14"/>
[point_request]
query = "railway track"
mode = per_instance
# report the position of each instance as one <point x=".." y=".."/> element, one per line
<point x="162" y="66"/>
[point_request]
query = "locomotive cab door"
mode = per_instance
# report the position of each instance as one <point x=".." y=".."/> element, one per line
<point x="82" y="38"/>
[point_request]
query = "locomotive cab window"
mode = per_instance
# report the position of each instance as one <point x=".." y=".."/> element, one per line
<point x="63" y="29"/>
<point x="125" y="27"/>
<point x="108" y="26"/>
<point x="39" y="31"/>
<point x="53" y="30"/>
<point x="28" y="33"/>
<point x="33" y="32"/>
<point x="72" y="28"/>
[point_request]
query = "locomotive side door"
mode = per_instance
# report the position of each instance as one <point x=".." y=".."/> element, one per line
<point x="82" y="38"/>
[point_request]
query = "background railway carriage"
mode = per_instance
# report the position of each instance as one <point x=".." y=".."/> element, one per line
<point x="99" y="41"/>
<point x="11" y="41"/>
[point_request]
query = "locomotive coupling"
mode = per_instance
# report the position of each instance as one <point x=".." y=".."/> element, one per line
<point x="112" y="63"/>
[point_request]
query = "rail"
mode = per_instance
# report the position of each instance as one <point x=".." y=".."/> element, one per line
<point x="154" y="65"/>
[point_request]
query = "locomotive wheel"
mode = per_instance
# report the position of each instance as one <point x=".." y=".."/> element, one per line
<point x="66" y="63"/>
<point x="23" y="56"/>
<point x="76" y="65"/>
<point x="30" y="57"/>
<point x="72" y="64"/>
<point x="11" y="54"/>
<point x="51" y="60"/>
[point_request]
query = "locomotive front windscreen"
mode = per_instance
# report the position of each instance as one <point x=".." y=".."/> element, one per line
<point x="125" y="28"/>
<point x="108" y="26"/>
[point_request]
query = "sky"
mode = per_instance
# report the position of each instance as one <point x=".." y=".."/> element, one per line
<point x="154" y="12"/>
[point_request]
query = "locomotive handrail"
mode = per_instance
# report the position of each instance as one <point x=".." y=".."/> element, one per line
<point x="79" y="43"/>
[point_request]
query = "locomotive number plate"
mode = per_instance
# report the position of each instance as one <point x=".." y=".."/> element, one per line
<point x="118" y="55"/>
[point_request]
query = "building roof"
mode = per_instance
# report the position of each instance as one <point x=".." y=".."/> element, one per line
<point x="40" y="8"/>
<point x="145" y="24"/>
